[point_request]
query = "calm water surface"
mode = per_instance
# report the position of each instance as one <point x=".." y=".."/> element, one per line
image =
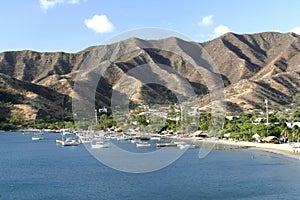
<point x="44" y="170"/>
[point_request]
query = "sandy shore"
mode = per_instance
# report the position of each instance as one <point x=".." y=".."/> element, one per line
<point x="290" y="150"/>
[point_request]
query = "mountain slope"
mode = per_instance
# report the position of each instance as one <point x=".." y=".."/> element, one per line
<point x="253" y="67"/>
<point x="258" y="66"/>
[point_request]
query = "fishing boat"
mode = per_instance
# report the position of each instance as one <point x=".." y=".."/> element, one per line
<point x="58" y="141"/>
<point x="112" y="137"/>
<point x="37" y="136"/>
<point x="143" y="144"/>
<point x="124" y="138"/>
<point x="144" y="138"/>
<point x="68" y="138"/>
<point x="66" y="132"/>
<point x="70" y="141"/>
<point x="186" y="146"/>
<point x="84" y="137"/>
<point x="155" y="138"/>
<point x="159" y="145"/>
<point x="99" y="143"/>
<point x="134" y="141"/>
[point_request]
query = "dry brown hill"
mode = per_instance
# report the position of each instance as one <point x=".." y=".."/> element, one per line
<point x="253" y="67"/>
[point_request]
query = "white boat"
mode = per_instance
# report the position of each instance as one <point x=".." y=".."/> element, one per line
<point x="70" y="141"/>
<point x="37" y="136"/>
<point x="110" y="136"/>
<point x="134" y="141"/>
<point x="123" y="138"/>
<point x="143" y="144"/>
<point x="58" y="141"/>
<point x="186" y="146"/>
<point x="66" y="132"/>
<point x="99" y="143"/>
<point x="84" y="139"/>
<point x="155" y="138"/>
<point x="86" y="136"/>
<point x="180" y="143"/>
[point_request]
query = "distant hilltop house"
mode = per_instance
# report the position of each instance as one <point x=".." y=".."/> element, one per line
<point x="232" y="117"/>
<point x="259" y="119"/>
<point x="102" y="110"/>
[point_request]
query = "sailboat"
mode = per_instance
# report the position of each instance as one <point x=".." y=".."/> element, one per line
<point x="70" y="141"/>
<point x="68" y="138"/>
<point x="37" y="135"/>
<point x="97" y="143"/>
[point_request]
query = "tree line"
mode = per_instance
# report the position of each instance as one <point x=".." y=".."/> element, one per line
<point x="240" y="128"/>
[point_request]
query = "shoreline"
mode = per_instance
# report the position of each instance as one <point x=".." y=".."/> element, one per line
<point x="285" y="149"/>
<point x="291" y="150"/>
<point x="281" y="149"/>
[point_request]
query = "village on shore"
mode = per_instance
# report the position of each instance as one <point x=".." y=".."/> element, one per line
<point x="279" y="131"/>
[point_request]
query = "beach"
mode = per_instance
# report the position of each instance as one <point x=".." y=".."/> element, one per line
<point x="286" y="149"/>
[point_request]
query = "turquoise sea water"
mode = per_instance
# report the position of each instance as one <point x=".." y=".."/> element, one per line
<point x="43" y="170"/>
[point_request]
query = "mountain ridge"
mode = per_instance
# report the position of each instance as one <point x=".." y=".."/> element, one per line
<point x="253" y="67"/>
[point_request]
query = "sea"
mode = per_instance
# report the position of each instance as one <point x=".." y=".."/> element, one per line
<point x="44" y="170"/>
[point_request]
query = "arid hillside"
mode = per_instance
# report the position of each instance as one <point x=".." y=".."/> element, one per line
<point x="253" y="67"/>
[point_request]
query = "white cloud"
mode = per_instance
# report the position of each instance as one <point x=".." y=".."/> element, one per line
<point x="220" y="30"/>
<point x="46" y="4"/>
<point x="49" y="3"/>
<point x="99" y="24"/>
<point x="295" y="30"/>
<point x="73" y="1"/>
<point x="206" y="21"/>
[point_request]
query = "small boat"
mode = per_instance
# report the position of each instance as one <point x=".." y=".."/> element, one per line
<point x="112" y="137"/>
<point x="70" y="142"/>
<point x="135" y="141"/>
<point x="59" y="141"/>
<point x="144" y="138"/>
<point x="37" y="136"/>
<point x="186" y="146"/>
<point x="66" y="132"/>
<point x="155" y="138"/>
<point x="180" y="143"/>
<point x="159" y="145"/>
<point x="97" y="144"/>
<point x="84" y="139"/>
<point x="143" y="144"/>
<point x="124" y="138"/>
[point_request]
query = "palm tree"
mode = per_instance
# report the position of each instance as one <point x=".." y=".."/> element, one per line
<point x="296" y="132"/>
<point x="284" y="131"/>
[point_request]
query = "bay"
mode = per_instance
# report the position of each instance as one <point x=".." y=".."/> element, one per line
<point x="43" y="170"/>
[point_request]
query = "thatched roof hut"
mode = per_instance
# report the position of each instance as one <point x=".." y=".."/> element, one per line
<point x="256" y="137"/>
<point x="271" y="139"/>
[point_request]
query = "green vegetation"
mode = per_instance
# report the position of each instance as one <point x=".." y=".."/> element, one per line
<point x="245" y="131"/>
<point x="16" y="122"/>
<point x="106" y="121"/>
<point x="204" y="122"/>
<point x="242" y="127"/>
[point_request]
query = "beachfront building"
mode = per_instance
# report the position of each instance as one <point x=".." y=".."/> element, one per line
<point x="291" y="125"/>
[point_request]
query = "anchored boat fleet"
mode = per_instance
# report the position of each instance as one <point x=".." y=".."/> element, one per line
<point x="101" y="139"/>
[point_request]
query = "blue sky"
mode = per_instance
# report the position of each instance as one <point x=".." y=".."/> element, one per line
<point x="73" y="25"/>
